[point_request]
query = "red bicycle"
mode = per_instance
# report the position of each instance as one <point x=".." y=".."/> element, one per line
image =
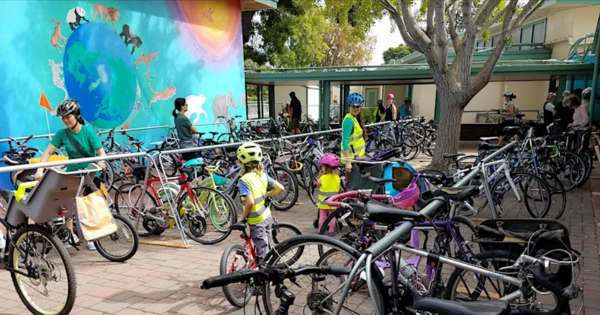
<point x="243" y="257"/>
<point x="206" y="214"/>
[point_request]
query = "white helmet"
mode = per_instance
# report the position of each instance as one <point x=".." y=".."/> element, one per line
<point x="249" y="152"/>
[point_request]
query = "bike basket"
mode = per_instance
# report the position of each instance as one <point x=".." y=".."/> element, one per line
<point x="54" y="193"/>
<point x="402" y="174"/>
<point x="518" y="232"/>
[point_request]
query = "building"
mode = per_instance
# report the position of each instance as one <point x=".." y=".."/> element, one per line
<point x="552" y="51"/>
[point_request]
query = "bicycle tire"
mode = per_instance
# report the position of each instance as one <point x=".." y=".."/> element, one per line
<point x="495" y="259"/>
<point x="234" y="299"/>
<point x="196" y="224"/>
<point x="347" y="227"/>
<point x="128" y="232"/>
<point x="14" y="253"/>
<point x="225" y="138"/>
<point x="559" y="197"/>
<point x="132" y="209"/>
<point x="278" y="231"/>
<point x="501" y="187"/>
<point x="346" y="255"/>
<point x="287" y="199"/>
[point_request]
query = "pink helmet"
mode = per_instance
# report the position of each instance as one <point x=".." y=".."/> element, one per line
<point x="390" y="96"/>
<point x="330" y="159"/>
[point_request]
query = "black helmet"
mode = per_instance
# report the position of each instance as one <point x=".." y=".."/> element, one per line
<point x="68" y="107"/>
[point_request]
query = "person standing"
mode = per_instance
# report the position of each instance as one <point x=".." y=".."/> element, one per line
<point x="296" y="108"/>
<point x="255" y="187"/>
<point x="380" y="112"/>
<point x="580" y="113"/>
<point x="184" y="128"/>
<point x="549" y="109"/>
<point x="404" y="111"/>
<point x="353" y="141"/>
<point x="391" y="112"/>
<point x="564" y="114"/>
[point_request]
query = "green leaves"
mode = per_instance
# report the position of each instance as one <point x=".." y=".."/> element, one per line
<point x="302" y="33"/>
<point x="396" y="53"/>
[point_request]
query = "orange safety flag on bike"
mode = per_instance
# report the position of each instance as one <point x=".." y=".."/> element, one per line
<point x="44" y="102"/>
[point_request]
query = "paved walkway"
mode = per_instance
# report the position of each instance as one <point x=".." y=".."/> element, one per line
<point x="162" y="280"/>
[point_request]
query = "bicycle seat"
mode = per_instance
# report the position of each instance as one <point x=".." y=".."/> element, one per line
<point x="484" y="146"/>
<point x="457" y="193"/>
<point x="446" y="307"/>
<point x="213" y="133"/>
<point x="136" y="143"/>
<point x="453" y="156"/>
<point x="387" y="214"/>
<point x="200" y="134"/>
<point x="238" y="226"/>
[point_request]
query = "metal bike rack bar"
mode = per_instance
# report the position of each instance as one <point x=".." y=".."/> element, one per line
<point x="48" y="135"/>
<point x="135" y="129"/>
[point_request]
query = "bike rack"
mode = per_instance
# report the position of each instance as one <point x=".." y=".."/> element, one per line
<point x="145" y="155"/>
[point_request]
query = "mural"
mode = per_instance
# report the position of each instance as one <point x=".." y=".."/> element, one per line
<point x="125" y="61"/>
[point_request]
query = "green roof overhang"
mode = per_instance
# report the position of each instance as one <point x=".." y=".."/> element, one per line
<point x="412" y="71"/>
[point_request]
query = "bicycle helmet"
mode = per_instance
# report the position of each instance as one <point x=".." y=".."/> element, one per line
<point x="586" y="93"/>
<point x="390" y="96"/>
<point x="249" y="152"/>
<point x="510" y="95"/>
<point x="68" y="107"/>
<point x="355" y="99"/>
<point x="330" y="159"/>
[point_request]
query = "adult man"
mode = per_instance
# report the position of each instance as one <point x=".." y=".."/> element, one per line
<point x="296" y="108"/>
<point x="549" y="109"/>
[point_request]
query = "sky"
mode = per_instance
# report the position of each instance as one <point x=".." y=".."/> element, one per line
<point x="385" y="37"/>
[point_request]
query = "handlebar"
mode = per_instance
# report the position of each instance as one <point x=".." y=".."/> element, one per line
<point x="96" y="168"/>
<point x="271" y="274"/>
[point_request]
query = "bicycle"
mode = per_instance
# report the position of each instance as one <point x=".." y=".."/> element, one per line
<point x="195" y="207"/>
<point x="246" y="256"/>
<point x="37" y="260"/>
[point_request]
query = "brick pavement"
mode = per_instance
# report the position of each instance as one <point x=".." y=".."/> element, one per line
<point x="162" y="280"/>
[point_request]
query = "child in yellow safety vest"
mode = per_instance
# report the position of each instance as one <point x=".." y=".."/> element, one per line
<point x="329" y="184"/>
<point x="255" y="186"/>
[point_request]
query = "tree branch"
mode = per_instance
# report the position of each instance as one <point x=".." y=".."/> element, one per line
<point x="485" y="12"/>
<point x="481" y="79"/>
<point x="429" y="30"/>
<point x="412" y="27"/>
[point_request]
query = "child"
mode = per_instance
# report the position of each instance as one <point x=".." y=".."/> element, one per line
<point x="329" y="184"/>
<point x="255" y="186"/>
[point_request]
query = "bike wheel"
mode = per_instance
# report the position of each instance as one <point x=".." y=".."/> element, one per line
<point x="287" y="199"/>
<point x="534" y="197"/>
<point x="225" y="138"/>
<point x="464" y="285"/>
<point x="234" y="259"/>
<point x="283" y="231"/>
<point x="559" y="197"/>
<point x="167" y="163"/>
<point x="317" y="294"/>
<point x="41" y="271"/>
<point x="571" y="169"/>
<point x="347" y="226"/>
<point x="121" y="245"/>
<point x="207" y="216"/>
<point x="140" y="207"/>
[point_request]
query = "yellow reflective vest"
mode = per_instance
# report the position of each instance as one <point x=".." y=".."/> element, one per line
<point x="257" y="183"/>
<point x="330" y="185"/>
<point x="357" y="142"/>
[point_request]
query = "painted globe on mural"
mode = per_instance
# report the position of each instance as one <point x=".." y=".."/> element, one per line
<point x="100" y="74"/>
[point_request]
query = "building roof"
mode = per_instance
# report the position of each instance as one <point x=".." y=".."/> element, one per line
<point x="418" y="71"/>
<point x="255" y="5"/>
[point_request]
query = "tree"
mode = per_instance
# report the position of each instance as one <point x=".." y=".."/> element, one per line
<point x="304" y="33"/>
<point x="394" y="53"/>
<point x="440" y="24"/>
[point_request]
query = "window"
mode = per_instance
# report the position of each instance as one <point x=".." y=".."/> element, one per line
<point x="265" y="101"/>
<point x="313" y="103"/>
<point x="252" y="101"/>
<point x="539" y="32"/>
<point x="526" y="36"/>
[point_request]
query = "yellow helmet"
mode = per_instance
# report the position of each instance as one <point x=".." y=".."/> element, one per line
<point x="249" y="152"/>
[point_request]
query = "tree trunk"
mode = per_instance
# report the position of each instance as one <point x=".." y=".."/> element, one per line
<point x="448" y="134"/>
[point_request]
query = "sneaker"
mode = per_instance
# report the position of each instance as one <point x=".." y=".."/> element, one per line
<point x="91" y="246"/>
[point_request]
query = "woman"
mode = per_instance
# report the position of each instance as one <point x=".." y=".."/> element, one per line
<point x="184" y="128"/>
<point x="353" y="142"/>
<point x="79" y="140"/>
<point x="380" y="113"/>
<point x="580" y="113"/>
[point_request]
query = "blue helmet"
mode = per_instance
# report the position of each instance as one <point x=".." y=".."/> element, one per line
<point x="355" y="99"/>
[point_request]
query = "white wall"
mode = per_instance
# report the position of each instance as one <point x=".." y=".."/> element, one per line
<point x="423" y="99"/>
<point x="282" y="97"/>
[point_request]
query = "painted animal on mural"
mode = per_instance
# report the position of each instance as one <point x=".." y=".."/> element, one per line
<point x="56" y="68"/>
<point x="196" y="109"/>
<point x="75" y="16"/>
<point x="130" y="38"/>
<point x="222" y="103"/>
<point x="57" y="40"/>
<point x="109" y="14"/>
